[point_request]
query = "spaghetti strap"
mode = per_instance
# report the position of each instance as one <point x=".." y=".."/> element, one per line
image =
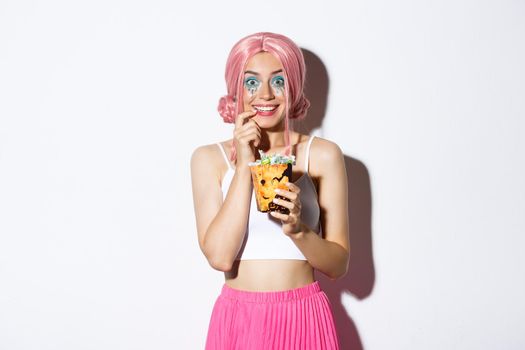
<point x="224" y="155"/>
<point x="308" y="154"/>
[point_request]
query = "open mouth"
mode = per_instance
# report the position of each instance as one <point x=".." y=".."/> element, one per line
<point x="265" y="108"/>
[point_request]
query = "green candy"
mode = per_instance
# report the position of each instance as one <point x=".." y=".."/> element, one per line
<point x="273" y="159"/>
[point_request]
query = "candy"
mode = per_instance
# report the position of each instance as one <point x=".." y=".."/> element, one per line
<point x="273" y="159"/>
<point x="270" y="173"/>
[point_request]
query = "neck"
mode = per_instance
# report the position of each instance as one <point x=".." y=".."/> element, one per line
<point x="274" y="141"/>
<point x="272" y="138"/>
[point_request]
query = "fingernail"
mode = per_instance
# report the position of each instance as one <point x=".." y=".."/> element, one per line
<point x="275" y="200"/>
<point x="277" y="190"/>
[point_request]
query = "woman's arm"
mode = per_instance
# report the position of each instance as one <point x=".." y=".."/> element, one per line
<point x="221" y="226"/>
<point x="330" y="254"/>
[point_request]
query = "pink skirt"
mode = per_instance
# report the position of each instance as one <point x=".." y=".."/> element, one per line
<point x="298" y="318"/>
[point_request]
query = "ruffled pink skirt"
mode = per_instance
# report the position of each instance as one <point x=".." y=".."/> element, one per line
<point x="299" y="318"/>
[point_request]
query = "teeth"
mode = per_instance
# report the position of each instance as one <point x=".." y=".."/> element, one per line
<point x="264" y="109"/>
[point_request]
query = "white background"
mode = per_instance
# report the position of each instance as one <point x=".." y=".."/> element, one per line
<point x="103" y="102"/>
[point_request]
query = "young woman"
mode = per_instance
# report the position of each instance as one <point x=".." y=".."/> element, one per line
<point x="270" y="299"/>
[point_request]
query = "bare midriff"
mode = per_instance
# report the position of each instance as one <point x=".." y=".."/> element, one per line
<point x="269" y="275"/>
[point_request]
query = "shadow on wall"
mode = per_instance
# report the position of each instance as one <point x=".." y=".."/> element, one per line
<point x="359" y="280"/>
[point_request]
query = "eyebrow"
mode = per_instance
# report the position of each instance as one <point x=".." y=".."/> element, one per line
<point x="255" y="73"/>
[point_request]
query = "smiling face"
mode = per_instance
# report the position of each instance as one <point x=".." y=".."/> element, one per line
<point x="264" y="89"/>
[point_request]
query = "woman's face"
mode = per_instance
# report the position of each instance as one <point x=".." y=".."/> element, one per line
<point x="264" y="89"/>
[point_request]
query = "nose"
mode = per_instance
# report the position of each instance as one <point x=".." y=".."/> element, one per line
<point x="266" y="91"/>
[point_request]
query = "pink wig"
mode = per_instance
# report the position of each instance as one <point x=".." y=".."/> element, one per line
<point x="292" y="60"/>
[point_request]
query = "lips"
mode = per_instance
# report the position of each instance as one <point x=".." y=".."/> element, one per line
<point x="265" y="110"/>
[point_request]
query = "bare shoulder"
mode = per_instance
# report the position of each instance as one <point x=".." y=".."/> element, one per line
<point x="326" y="159"/>
<point x="324" y="151"/>
<point x="204" y="153"/>
<point x="205" y="158"/>
<point x="209" y="159"/>
<point x="201" y="156"/>
<point x="210" y="153"/>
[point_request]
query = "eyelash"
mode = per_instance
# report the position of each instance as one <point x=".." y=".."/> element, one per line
<point x="277" y="82"/>
<point x="247" y="81"/>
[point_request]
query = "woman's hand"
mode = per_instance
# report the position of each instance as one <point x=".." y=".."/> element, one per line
<point x="246" y="136"/>
<point x="292" y="221"/>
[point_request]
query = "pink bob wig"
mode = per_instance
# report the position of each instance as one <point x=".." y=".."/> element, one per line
<point x="294" y="71"/>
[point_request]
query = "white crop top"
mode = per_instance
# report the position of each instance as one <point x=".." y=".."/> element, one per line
<point x="264" y="238"/>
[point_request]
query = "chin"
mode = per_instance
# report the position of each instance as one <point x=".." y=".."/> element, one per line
<point x="269" y="123"/>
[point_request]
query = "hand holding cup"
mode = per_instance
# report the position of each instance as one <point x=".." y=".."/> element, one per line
<point x="291" y="221"/>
